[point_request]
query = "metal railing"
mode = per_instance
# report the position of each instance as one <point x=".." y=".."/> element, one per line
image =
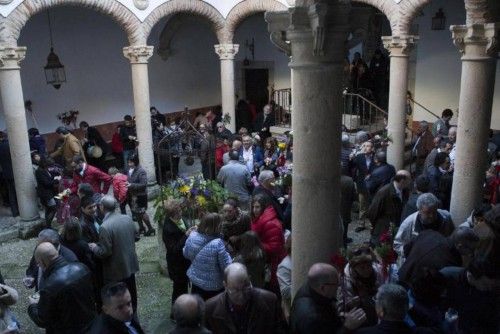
<point x="360" y="113"/>
<point x="283" y="106"/>
<point x="411" y="100"/>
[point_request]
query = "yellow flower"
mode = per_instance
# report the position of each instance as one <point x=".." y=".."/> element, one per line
<point x="201" y="200"/>
<point x="282" y="146"/>
<point x="184" y="189"/>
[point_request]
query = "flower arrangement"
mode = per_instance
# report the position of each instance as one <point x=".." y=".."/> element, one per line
<point x="226" y="119"/>
<point x="69" y="117"/>
<point x="197" y="194"/>
<point x="385" y="252"/>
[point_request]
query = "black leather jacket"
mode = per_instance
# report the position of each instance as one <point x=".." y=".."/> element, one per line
<point x="66" y="303"/>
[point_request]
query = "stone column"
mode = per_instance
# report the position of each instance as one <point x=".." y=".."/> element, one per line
<point x="138" y="56"/>
<point x="15" y="117"/>
<point x="317" y="35"/>
<point x="226" y="54"/>
<point x="399" y="48"/>
<point x="478" y="45"/>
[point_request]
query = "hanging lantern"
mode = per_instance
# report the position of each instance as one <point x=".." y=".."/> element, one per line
<point x="54" y="70"/>
<point x="439" y="20"/>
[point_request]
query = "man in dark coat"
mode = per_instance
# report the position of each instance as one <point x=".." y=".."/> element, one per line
<point x="37" y="143"/>
<point x="422" y="185"/>
<point x="433" y="250"/>
<point x="7" y="173"/>
<point x="34" y="271"/>
<point x="471" y="291"/>
<point x="363" y="165"/>
<point x="264" y="121"/>
<point x="423" y="146"/>
<point x="387" y="205"/>
<point x="117" y="315"/>
<point x="347" y="197"/>
<point x="313" y="309"/>
<point x="381" y="175"/>
<point x="392" y="306"/>
<point x="116" y="247"/>
<point x="66" y="304"/>
<point x="242" y="308"/>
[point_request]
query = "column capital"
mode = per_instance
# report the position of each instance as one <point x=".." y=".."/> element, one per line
<point x="226" y="51"/>
<point x="138" y="54"/>
<point x="11" y="57"/>
<point x="399" y="46"/>
<point x="476" y="41"/>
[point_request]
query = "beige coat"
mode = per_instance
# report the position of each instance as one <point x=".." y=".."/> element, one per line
<point x="69" y="149"/>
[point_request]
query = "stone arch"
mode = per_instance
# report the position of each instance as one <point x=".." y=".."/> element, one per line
<point x="243" y="10"/>
<point x="194" y="7"/>
<point x="10" y="27"/>
<point x="389" y="8"/>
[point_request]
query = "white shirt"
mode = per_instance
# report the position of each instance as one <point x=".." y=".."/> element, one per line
<point x="130" y="172"/>
<point x="248" y="158"/>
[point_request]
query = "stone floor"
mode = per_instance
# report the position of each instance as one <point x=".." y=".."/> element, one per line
<point x="154" y="289"/>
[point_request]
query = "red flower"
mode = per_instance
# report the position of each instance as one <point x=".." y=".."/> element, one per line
<point x="385" y="237"/>
<point x="339" y="262"/>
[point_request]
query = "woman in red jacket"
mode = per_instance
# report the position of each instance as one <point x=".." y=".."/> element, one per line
<point x="269" y="228"/>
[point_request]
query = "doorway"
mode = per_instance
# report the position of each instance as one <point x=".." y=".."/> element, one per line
<point x="256" y="87"/>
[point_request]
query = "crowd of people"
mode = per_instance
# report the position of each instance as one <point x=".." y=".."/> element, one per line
<point x="417" y="272"/>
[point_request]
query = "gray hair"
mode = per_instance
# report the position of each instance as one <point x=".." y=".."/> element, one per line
<point x="265" y="175"/>
<point x="428" y="200"/>
<point x="424" y="124"/>
<point x="393" y="300"/>
<point x="362" y="136"/>
<point x="49" y="235"/>
<point x="108" y="203"/>
<point x="345" y="138"/>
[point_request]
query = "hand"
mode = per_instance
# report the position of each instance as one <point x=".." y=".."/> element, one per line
<point x="353" y="303"/>
<point x="33" y="299"/>
<point x="57" y="178"/>
<point x="92" y="246"/>
<point x="281" y="200"/>
<point x="191" y="229"/>
<point x="29" y="282"/>
<point x="127" y="184"/>
<point x="354" y="318"/>
<point x="264" y="129"/>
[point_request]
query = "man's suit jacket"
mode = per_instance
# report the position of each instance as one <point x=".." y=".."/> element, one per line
<point x="116" y="247"/>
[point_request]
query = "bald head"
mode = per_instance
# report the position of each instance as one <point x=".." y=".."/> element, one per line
<point x="320" y="274"/>
<point x="108" y="203"/>
<point x="236" y="272"/>
<point x="45" y="254"/>
<point x="188" y="311"/>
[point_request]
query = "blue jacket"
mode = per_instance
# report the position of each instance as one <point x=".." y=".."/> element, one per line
<point x="208" y="258"/>
<point x="258" y="155"/>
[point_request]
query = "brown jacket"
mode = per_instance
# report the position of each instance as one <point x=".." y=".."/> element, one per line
<point x="69" y="149"/>
<point x="265" y="314"/>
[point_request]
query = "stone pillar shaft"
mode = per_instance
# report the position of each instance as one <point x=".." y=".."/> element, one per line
<point x="226" y="53"/>
<point x="399" y="48"/>
<point x="138" y="56"/>
<point x="13" y="105"/>
<point x="316" y="34"/>
<point x="477" y="45"/>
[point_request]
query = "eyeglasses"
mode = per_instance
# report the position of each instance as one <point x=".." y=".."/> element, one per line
<point x="245" y="289"/>
<point x="361" y="251"/>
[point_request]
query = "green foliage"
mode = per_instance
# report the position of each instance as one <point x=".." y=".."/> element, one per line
<point x="197" y="195"/>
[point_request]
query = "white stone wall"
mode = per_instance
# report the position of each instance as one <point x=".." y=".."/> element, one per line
<point x="438" y="65"/>
<point x="98" y="75"/>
